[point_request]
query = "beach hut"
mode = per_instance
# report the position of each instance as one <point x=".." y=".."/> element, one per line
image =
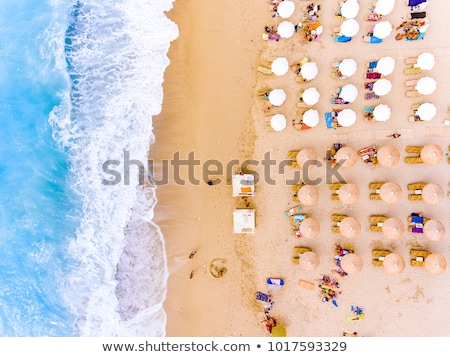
<point x="434" y="229"/>
<point x="426" y="85"/>
<point x="346" y="117"/>
<point x="435" y="264"/>
<point x="350" y="9"/>
<point x="433" y="193"/>
<point x="277" y="97"/>
<point x="346" y="156"/>
<point x="394" y="263"/>
<point x="280" y="66"/>
<point x="388" y="156"/>
<point x="278" y="122"/>
<point x="244" y="220"/>
<point x="309" y="261"/>
<point x="425" y="61"/>
<point x="347" y="67"/>
<point x="381" y="112"/>
<point x="349" y="193"/>
<point x="309" y="228"/>
<point x="311" y="118"/>
<point x="349" y="227"/>
<point x="286" y="29"/>
<point x="382" y="86"/>
<point x="243" y="185"/>
<point x="385" y="65"/>
<point x="351" y="263"/>
<point x="431" y="154"/>
<point x="426" y="111"/>
<point x="308" y="195"/>
<point x="309" y="70"/>
<point x="306" y="155"/>
<point x="393" y="228"/>
<point x="391" y="192"/>
<point x="349" y="92"/>
<point x="311" y="96"/>
<point x="285" y="9"/>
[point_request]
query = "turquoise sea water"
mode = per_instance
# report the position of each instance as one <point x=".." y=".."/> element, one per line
<point x="80" y="82"/>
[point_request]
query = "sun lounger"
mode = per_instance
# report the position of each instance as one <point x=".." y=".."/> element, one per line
<point x="411" y="83"/>
<point x="372" y="39"/>
<point x="377" y="262"/>
<point x="413" y="160"/>
<point x="336" y="229"/>
<point x="414" y="197"/>
<point x="294" y="163"/>
<point x="335" y="186"/>
<point x="371" y="95"/>
<point x="376" y="228"/>
<point x="373" y="75"/>
<point x="415" y="252"/>
<point x="416" y="185"/>
<point x="380" y="252"/>
<point x="264" y="70"/>
<point x="373" y="17"/>
<point x="334" y="197"/>
<point x="301" y="250"/>
<point x="306" y="284"/>
<point x="298" y="217"/>
<point x="375" y="185"/>
<point x="377" y="218"/>
<point x="417" y="263"/>
<point x="415" y="106"/>
<point x="411" y="60"/>
<point x="412" y="93"/>
<point x="413" y="70"/>
<point x="292" y="154"/>
<point x="375" y="197"/>
<point x="414" y="149"/>
<point x="337" y="217"/>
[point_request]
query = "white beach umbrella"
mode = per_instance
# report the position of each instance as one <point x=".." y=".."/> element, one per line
<point x="423" y="28"/>
<point x="286" y="8"/>
<point x="286" y="29"/>
<point x="311" y="118"/>
<point x="346" y="117"/>
<point x="382" y="86"/>
<point x="278" y="122"/>
<point x="347" y="67"/>
<point x="426" y="85"/>
<point x="349" y="92"/>
<point x="277" y="97"/>
<point x="311" y="96"/>
<point x="425" y="61"/>
<point x="381" y="112"/>
<point x="280" y="66"/>
<point x="382" y="29"/>
<point x="309" y="70"/>
<point x="426" y="111"/>
<point x="385" y="65"/>
<point x="384" y="7"/>
<point x="349" y="27"/>
<point x="350" y="9"/>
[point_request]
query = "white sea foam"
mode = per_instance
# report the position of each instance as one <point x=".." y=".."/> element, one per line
<point x="117" y="55"/>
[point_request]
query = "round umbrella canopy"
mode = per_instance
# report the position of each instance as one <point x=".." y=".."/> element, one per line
<point x="393" y="228"/>
<point x="350" y="9"/>
<point x="306" y="155"/>
<point x="278" y="331"/>
<point x="385" y="65"/>
<point x="286" y="29"/>
<point x="391" y="192"/>
<point x="435" y="264"/>
<point x="311" y="96"/>
<point x="349" y="92"/>
<point x="346" y="117"/>
<point x="433" y="193"/>
<point x="384" y="7"/>
<point x="350" y="227"/>
<point x="382" y="86"/>
<point x="277" y="97"/>
<point x="431" y="154"/>
<point x="349" y="193"/>
<point x="388" y="156"/>
<point x="285" y="9"/>
<point x="308" y="195"/>
<point x="394" y="263"/>
<point x="434" y="229"/>
<point x="349" y="27"/>
<point x="347" y="155"/>
<point x="426" y="85"/>
<point x="278" y="122"/>
<point x="280" y="66"/>
<point x="426" y="111"/>
<point x="309" y="70"/>
<point x="348" y="67"/>
<point x="381" y="112"/>
<point x="311" y="118"/>
<point x="309" y="261"/>
<point x="425" y="61"/>
<point x="351" y="263"/>
<point x="382" y="29"/>
<point x="309" y="228"/>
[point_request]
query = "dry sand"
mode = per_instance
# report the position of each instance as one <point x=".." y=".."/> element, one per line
<point x="211" y="108"/>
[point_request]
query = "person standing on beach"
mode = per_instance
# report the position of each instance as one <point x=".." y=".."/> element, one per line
<point x="192" y="254"/>
<point x="395" y="135"/>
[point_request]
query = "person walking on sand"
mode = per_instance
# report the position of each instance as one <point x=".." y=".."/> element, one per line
<point x="192" y="254"/>
<point x="395" y="135"/>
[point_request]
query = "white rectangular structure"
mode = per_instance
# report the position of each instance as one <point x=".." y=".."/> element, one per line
<point x="244" y="220"/>
<point x="243" y="185"/>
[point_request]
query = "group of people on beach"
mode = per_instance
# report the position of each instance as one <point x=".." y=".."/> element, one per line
<point x="413" y="28"/>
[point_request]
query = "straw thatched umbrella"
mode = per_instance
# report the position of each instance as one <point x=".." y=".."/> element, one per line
<point x="388" y="156"/>
<point x="309" y="228"/>
<point x="311" y="96"/>
<point x="385" y="65"/>
<point x="426" y="85"/>
<point x="426" y="111"/>
<point x="351" y="263"/>
<point x="382" y="86"/>
<point x="309" y="70"/>
<point x="346" y="117"/>
<point x="431" y="154"/>
<point x="394" y="263"/>
<point x="280" y="66"/>
<point x="433" y="193"/>
<point x="435" y="264"/>
<point x="278" y="122"/>
<point x="349" y="193"/>
<point x="277" y="97"/>
<point x="311" y="118"/>
<point x="393" y="228"/>
<point x="308" y="195"/>
<point x="434" y="229"/>
<point x="348" y="67"/>
<point x="425" y="61"/>
<point x="350" y="227"/>
<point x="309" y="261"/>
<point x="285" y="9"/>
<point x="286" y="29"/>
<point x="305" y="155"/>
<point x="350" y="9"/>
<point x="347" y="155"/>
<point x="349" y="92"/>
<point x="391" y="192"/>
<point x="382" y="29"/>
<point x="349" y="28"/>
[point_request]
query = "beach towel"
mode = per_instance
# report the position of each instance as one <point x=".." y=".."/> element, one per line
<point x="262" y="296"/>
<point x="342" y="39"/>
<point x="416" y="219"/>
<point x="374" y="39"/>
<point x="292" y="211"/>
<point x="418" y="15"/>
<point x="417" y="230"/>
<point x="415" y="2"/>
<point x="306" y="284"/>
<point x="329" y="120"/>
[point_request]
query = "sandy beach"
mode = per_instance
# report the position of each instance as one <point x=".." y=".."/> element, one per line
<point x="212" y="109"/>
